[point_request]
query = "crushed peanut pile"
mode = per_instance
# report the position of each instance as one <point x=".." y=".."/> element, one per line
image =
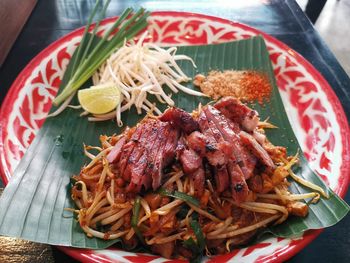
<point x="244" y="85"/>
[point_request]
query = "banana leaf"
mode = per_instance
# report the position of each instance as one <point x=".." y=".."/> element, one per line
<point x="33" y="203"/>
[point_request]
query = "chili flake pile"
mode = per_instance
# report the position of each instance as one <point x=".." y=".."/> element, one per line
<point x="244" y="85"/>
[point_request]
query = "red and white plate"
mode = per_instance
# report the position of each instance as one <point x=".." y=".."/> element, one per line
<point x="313" y="109"/>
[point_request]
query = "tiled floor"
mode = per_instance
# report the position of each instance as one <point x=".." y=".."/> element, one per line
<point x="333" y="25"/>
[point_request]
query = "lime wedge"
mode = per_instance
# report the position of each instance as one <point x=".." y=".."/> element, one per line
<point x="100" y="99"/>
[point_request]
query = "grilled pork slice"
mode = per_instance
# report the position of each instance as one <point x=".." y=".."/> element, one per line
<point x="199" y="180"/>
<point x="217" y="150"/>
<point x="257" y="149"/>
<point x="165" y="155"/>
<point x="239" y="113"/>
<point x="239" y="187"/>
<point x="127" y="150"/>
<point x="227" y="173"/>
<point x="115" y="153"/>
<point x="190" y="160"/>
<point x="150" y="149"/>
<point x="217" y="153"/>
<point x="139" y="158"/>
<point x="133" y="171"/>
<point x="180" y="119"/>
<point x="244" y="158"/>
<point x="198" y="142"/>
<point x="162" y="134"/>
<point x="240" y="163"/>
<point x="222" y="179"/>
<point x="192" y="164"/>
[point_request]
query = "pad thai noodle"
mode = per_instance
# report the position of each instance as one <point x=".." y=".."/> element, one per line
<point x="189" y="184"/>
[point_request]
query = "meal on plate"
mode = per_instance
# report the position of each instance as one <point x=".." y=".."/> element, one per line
<point x="187" y="184"/>
<point x="179" y="184"/>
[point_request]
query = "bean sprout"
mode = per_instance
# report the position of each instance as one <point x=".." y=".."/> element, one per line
<point x="140" y="70"/>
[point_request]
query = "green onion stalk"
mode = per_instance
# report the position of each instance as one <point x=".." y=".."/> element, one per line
<point x="135" y="219"/>
<point x="88" y="59"/>
<point x="180" y="195"/>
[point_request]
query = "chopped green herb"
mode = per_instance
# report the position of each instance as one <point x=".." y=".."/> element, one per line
<point x="198" y="233"/>
<point x="183" y="211"/>
<point x="135" y="219"/>
<point x="179" y="195"/>
<point x="197" y="247"/>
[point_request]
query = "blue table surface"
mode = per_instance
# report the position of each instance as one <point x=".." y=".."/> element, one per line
<point x="284" y="20"/>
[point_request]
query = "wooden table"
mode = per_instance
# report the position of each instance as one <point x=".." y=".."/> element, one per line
<point x="13" y="15"/>
<point x="283" y="19"/>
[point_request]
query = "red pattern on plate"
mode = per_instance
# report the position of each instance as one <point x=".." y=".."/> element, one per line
<point x="313" y="108"/>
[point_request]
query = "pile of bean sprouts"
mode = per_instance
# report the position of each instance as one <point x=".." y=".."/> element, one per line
<point x="140" y="70"/>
